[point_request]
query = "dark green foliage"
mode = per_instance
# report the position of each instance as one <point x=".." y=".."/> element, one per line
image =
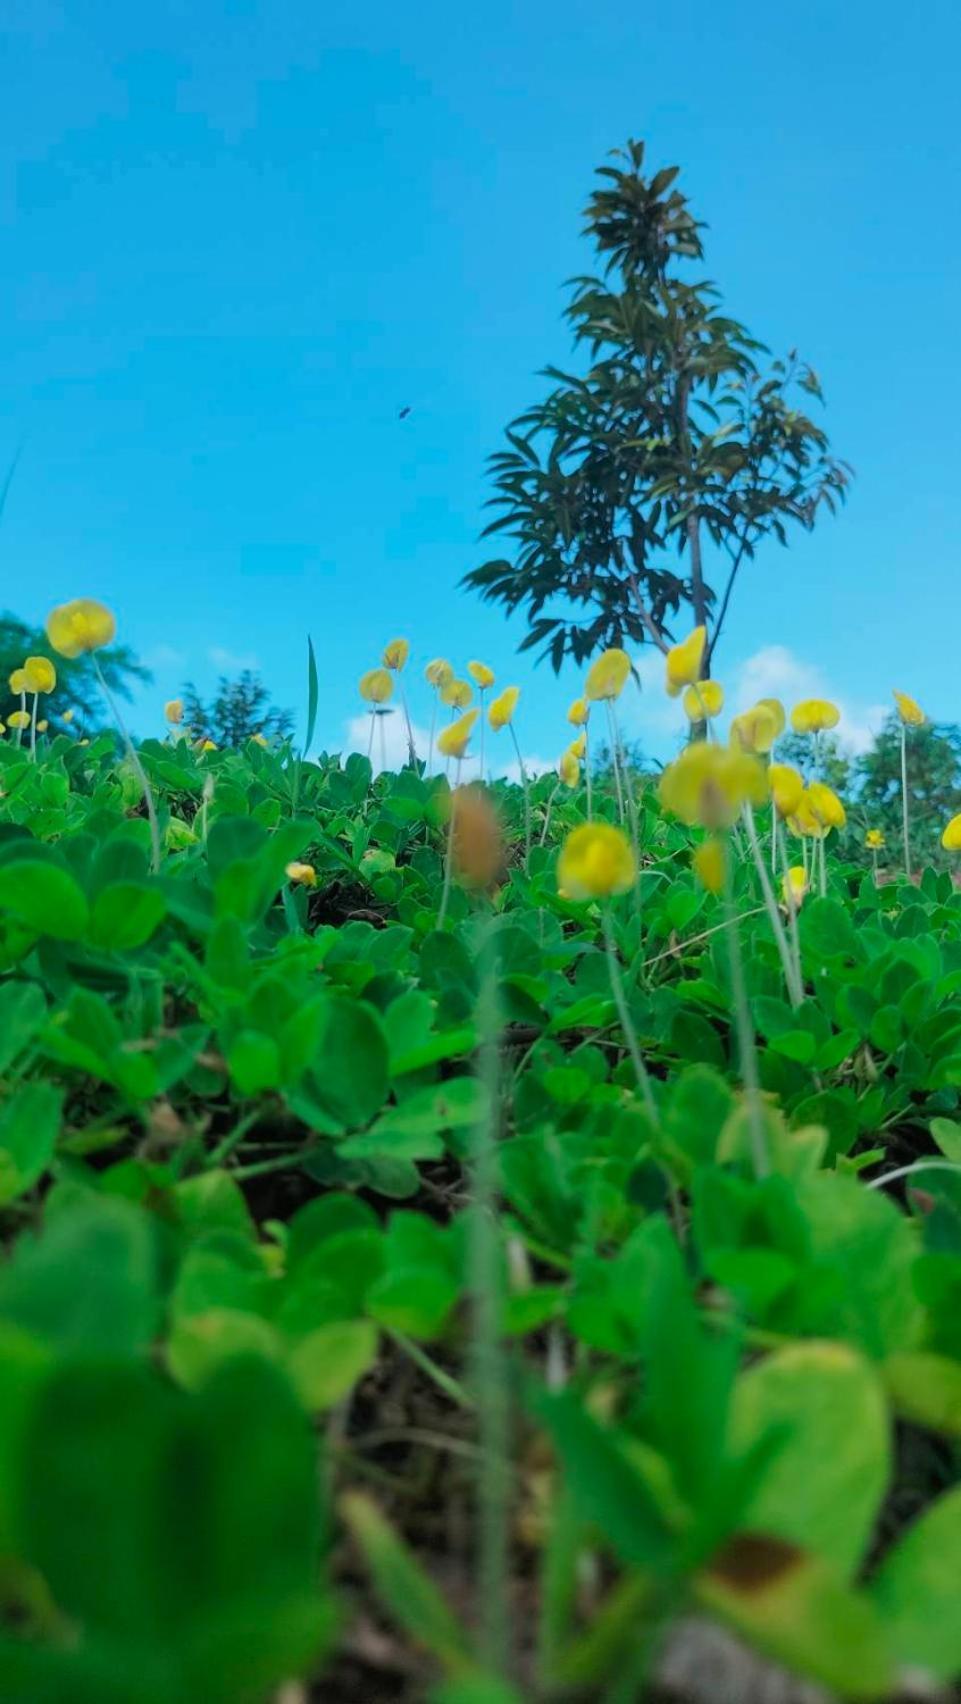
<point x="669" y="457"/>
<point x="239" y="709"/>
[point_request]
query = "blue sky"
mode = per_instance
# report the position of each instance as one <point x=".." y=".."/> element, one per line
<point x="236" y="236"/>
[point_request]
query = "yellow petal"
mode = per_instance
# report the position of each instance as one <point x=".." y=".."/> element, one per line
<point x="607" y="674"/>
<point x="787" y="787"/>
<point x="874" y="839"/>
<point x="18" y="682"/>
<point x="18" y="719"/>
<point x="569" y="769"/>
<point x="174" y="710"/>
<point x="596" y="860"/>
<point x="710" y="784"/>
<point x="302" y="874"/>
<point x="777" y="711"/>
<point x="439" y="672"/>
<point x="82" y="625"/>
<point x="825" y="805"/>
<point x="684" y="662"/>
<point x="578" y="747"/>
<point x="456" y="693"/>
<point x="794" y="886"/>
<point x="396" y="654"/>
<point x="481" y="675"/>
<point x="950" y="839"/>
<point x="579" y="712"/>
<point x="754" y="730"/>
<point x="702" y="700"/>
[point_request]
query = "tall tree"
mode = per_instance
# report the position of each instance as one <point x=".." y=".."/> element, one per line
<point x="677" y="452"/>
<point x="239" y="709"/>
<point x="77" y="686"/>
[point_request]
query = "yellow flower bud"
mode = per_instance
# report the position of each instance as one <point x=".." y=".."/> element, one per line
<point x="874" y="839"/>
<point x="303" y="875"/>
<point x="787" y="787"/>
<point x="396" y="654"/>
<point x="569" y="769"/>
<point x="457" y="694"/>
<point x="82" y="625"/>
<point x="39" y="674"/>
<point x="481" y="675"/>
<point x="706" y="699"/>
<point x="825" y="805"/>
<point x="579" y="712"/>
<point x="439" y="672"/>
<point x="710" y="784"/>
<point x="794" y="886"/>
<point x="754" y="730"/>
<point x="909" y="710"/>
<point x="376" y="686"/>
<point x="502" y="708"/>
<point x="596" y="860"/>
<point x="684" y="662"/>
<point x="453" y="740"/>
<point x="174" y="710"/>
<point x="812" y="715"/>
<point x="950" y="839"/>
<point x="607" y="674"/>
<point x="709" y="863"/>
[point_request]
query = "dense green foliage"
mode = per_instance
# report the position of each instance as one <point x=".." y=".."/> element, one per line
<point x="80" y="690"/>
<point x="249" y="1137"/>
<point x="668" y="460"/>
<point x="238" y="710"/>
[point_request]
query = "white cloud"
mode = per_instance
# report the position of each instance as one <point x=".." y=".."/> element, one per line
<point x="165" y="657"/>
<point x="232" y="662"/>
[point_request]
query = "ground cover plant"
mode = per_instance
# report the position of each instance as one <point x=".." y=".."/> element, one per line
<point x="456" y="1237"/>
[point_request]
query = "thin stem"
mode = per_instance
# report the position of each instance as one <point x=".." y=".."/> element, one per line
<point x="547" y="814"/>
<point x="382" y="719"/>
<point x="745" y="1035"/>
<point x="411" y="748"/>
<point x="370" y="742"/>
<point x="777" y="927"/>
<point x="33" y="728"/>
<point x="617" y="768"/>
<point x="904" y="799"/>
<point x="483" y="728"/>
<point x="874" y="862"/>
<point x="587" y="769"/>
<point x="822" y="863"/>
<point x="489" y="1382"/>
<point x="23" y="706"/>
<point x="627" y="1022"/>
<point x="138" y="767"/>
<point x="430" y="744"/>
<point x="916" y="1165"/>
<point x="449" y="857"/>
<point x="527" y="799"/>
<point x="791" y="905"/>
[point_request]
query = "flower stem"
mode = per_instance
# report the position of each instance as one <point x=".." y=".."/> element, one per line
<point x="449" y="858"/>
<point x="430" y="744"/>
<point x="33" y="728"/>
<point x="627" y="1022"/>
<point x="138" y="767"/>
<point x="370" y="742"/>
<point x="383" y="744"/>
<point x="547" y="814"/>
<point x="483" y="727"/>
<point x="587" y="770"/>
<point x="745" y="1035"/>
<point x="792" y="909"/>
<point x="904" y="799"/>
<point x="411" y="748"/>
<point x="23" y="706"/>
<point x="527" y="799"/>
<point x="777" y="927"/>
<point x="614" y="759"/>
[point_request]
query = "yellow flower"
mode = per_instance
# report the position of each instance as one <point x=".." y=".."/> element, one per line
<point x="814" y="714"/>
<point x="174" y="710"/>
<point x="439" y="672"/>
<point x="950" y="839"/>
<point x="68" y="715"/>
<point x="207" y="745"/>
<point x="258" y="739"/>
<point x="707" y="699"/>
<point x="802" y="820"/>
<point x="794" y="886"/>
<point x="685" y="661"/>
<point x="825" y="805"/>
<point x="579" y="712"/>
<point x="569" y="769"/>
<point x="787" y="787"/>
<point x="304" y="874"/>
<point x="909" y="710"/>
<point x="578" y="747"/>
<point x="82" y="625"/>
<point x="777" y="711"/>
<point x="481" y="675"/>
<point x="396" y="654"/>
<point x="709" y="864"/>
<point x="477" y="843"/>
<point x="754" y="730"/>
<point x="39" y="674"/>
<point x="502" y="707"/>
<point x="596" y="860"/>
<point x="3" y="729"/>
<point x="874" y="839"/>
<point x="18" y="719"/>
<point x="607" y="675"/>
<point x="709" y="784"/>
<point x="376" y="686"/>
<point x="452" y="741"/>
<point x="456" y="693"/>
<point x="42" y="725"/>
<point x="18" y="681"/>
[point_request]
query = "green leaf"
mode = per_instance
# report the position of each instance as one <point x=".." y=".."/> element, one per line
<point x="825" y="1405"/>
<point x="349" y="1075"/>
<point x="126" y="914"/>
<point x="254" y="1062"/>
<point x="327" y="1363"/>
<point x="407" y="1593"/>
<point x="88" y="1282"/>
<point x="29" y="1127"/>
<point x="926" y="1388"/>
<point x="44" y="897"/>
<point x="916" y="1591"/>
<point x="313" y="693"/>
<point x="947" y="1135"/>
<point x="23" y="1013"/>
